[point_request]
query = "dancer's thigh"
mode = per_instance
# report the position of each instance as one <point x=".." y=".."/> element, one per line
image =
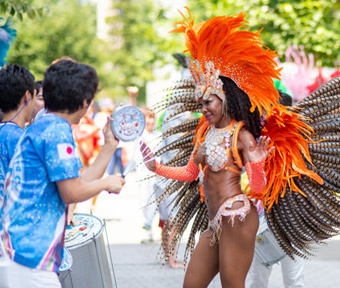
<point x="236" y="249"/>
<point x="203" y="265"/>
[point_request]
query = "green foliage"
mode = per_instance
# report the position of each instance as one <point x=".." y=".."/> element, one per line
<point x="144" y="43"/>
<point x="19" y="8"/>
<point x="313" y="24"/>
<point x="67" y="29"/>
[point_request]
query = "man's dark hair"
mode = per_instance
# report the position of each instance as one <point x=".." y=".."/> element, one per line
<point x="285" y="99"/>
<point x="67" y="84"/>
<point x="38" y="85"/>
<point x="14" y="82"/>
<point x="238" y="107"/>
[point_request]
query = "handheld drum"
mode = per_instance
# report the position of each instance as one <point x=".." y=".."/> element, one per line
<point x="85" y="242"/>
<point x="128" y="123"/>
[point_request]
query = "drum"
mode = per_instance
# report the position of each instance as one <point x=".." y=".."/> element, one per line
<point x="65" y="267"/>
<point x="267" y="250"/>
<point x="90" y="265"/>
<point x="127" y="122"/>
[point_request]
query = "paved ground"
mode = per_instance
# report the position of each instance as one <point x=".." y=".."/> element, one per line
<point x="138" y="265"/>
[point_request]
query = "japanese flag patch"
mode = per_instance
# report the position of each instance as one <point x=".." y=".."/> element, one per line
<point x="66" y="151"/>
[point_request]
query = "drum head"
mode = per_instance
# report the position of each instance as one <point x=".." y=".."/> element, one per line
<point x="67" y="261"/>
<point x="85" y="228"/>
<point x="127" y="123"/>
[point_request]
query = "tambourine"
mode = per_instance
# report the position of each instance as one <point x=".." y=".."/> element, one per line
<point x="127" y="122"/>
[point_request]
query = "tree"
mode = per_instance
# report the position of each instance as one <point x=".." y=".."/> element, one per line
<point x="142" y="29"/>
<point x="67" y="29"/>
<point x="19" y="8"/>
<point x="313" y="24"/>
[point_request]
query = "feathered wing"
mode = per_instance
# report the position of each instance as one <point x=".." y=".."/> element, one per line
<point x="187" y="200"/>
<point x="306" y="209"/>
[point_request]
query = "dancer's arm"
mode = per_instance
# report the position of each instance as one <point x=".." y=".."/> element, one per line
<point x="186" y="173"/>
<point x="254" y="155"/>
<point x="256" y="176"/>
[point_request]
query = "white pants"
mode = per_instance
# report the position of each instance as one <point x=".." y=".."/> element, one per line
<point x="292" y="273"/>
<point x="14" y="275"/>
<point x="148" y="198"/>
<point x="165" y="207"/>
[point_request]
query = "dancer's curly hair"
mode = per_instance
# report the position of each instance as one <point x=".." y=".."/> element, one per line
<point x="238" y="107"/>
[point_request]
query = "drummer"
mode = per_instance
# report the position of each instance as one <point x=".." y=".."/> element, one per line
<point x="43" y="178"/>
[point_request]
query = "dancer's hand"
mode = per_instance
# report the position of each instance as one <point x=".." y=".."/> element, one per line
<point x="260" y="152"/>
<point x="148" y="156"/>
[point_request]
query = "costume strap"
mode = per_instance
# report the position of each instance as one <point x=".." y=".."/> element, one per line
<point x="233" y="170"/>
<point x="236" y="155"/>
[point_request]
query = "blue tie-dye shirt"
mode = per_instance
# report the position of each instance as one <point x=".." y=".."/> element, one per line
<point x="9" y="137"/>
<point x="34" y="215"/>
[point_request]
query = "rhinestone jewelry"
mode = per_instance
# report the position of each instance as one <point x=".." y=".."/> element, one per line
<point x="218" y="147"/>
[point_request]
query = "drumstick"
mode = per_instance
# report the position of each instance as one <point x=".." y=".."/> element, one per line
<point x="131" y="165"/>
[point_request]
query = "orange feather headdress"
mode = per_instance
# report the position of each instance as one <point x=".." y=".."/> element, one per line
<point x="218" y="47"/>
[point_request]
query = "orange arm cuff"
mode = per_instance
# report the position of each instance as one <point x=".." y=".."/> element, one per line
<point x="187" y="173"/>
<point x="256" y="176"/>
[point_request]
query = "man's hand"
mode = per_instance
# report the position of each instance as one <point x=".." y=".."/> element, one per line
<point x="133" y="91"/>
<point x="110" y="139"/>
<point x="115" y="183"/>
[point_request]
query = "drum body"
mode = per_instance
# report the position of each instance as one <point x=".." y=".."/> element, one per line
<point x="65" y="267"/>
<point x="91" y="266"/>
<point x="267" y="250"/>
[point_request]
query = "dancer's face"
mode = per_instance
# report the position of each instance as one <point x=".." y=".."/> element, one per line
<point x="212" y="110"/>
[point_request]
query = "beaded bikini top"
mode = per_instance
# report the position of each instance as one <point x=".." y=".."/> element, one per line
<point x="217" y="142"/>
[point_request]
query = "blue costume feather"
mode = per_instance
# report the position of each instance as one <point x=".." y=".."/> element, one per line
<point x="7" y="35"/>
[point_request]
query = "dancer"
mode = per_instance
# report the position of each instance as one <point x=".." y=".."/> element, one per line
<point x="217" y="159"/>
<point x="233" y="79"/>
<point x="35" y="206"/>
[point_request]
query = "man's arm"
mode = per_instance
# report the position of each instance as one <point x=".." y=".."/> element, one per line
<point x="75" y="190"/>
<point x="97" y="169"/>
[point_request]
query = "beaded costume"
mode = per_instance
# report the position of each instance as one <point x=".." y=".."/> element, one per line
<point x="300" y="196"/>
